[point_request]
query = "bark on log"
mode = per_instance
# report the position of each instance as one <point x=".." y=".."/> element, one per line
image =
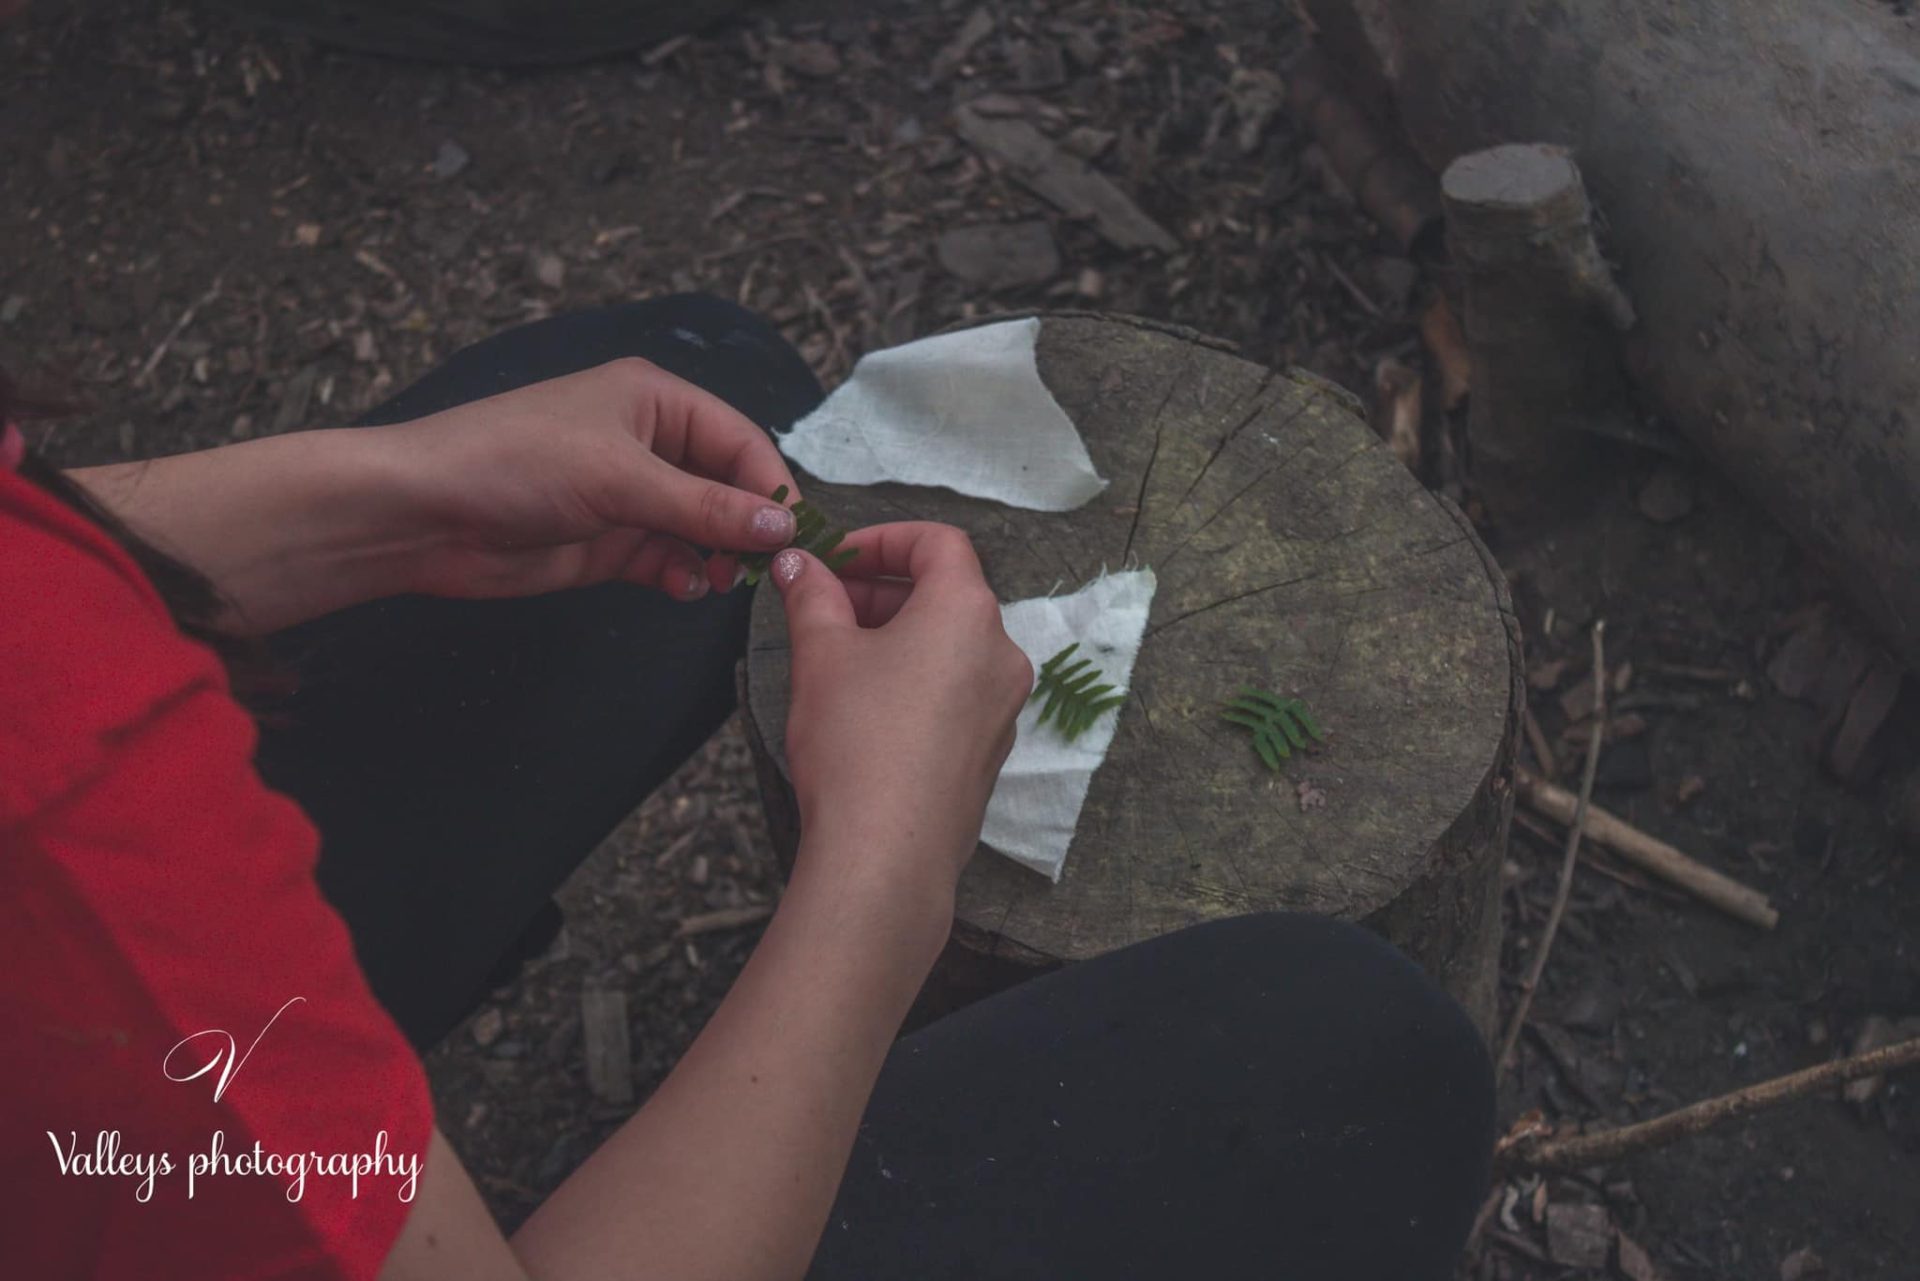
<point x="1754" y="159"/>
<point x="1543" y="318"/>
<point x="1292" y="551"/>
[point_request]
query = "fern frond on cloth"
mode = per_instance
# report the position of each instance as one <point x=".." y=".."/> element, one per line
<point x="1035" y="807"/>
<point x="1279" y="725"/>
<point x="810" y="534"/>
<point x="1074" y="697"/>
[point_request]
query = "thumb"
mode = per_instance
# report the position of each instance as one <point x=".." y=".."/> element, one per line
<point x="815" y="598"/>
<point x="707" y="513"/>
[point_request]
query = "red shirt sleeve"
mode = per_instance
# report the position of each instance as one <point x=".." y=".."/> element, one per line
<point x="161" y="916"/>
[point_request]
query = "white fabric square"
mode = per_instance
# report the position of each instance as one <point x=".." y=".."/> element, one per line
<point x="965" y="410"/>
<point x="1036" y="804"/>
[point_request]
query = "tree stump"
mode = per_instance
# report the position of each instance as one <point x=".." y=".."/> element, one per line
<point x="1294" y="553"/>
<point x="1543" y="318"/>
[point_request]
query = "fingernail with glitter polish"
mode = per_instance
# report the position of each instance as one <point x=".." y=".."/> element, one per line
<point x="773" y="526"/>
<point x="787" y="566"/>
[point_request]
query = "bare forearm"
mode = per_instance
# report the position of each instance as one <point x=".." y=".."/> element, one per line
<point x="730" y="1170"/>
<point x="287" y="527"/>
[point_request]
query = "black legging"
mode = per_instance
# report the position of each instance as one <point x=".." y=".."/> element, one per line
<point x="1278" y="1096"/>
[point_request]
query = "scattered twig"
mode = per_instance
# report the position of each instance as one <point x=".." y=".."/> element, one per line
<point x="1567" y="860"/>
<point x="727" y="918"/>
<point x="1534" y="1152"/>
<point x="681" y="845"/>
<point x="1693" y="672"/>
<point x="1644" y="851"/>
<point x="1594" y="859"/>
<point x="1359" y="295"/>
<point x="179" y="327"/>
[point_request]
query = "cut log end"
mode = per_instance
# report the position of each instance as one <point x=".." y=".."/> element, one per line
<point x="1293" y="553"/>
<point x="1517" y="178"/>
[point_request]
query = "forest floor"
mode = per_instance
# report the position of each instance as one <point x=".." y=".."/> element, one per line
<point x="215" y="232"/>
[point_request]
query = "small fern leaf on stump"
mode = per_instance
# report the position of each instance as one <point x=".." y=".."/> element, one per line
<point x="810" y="534"/>
<point x="1075" y="699"/>
<point x="1279" y="725"/>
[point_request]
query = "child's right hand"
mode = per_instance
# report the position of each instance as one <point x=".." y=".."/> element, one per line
<point x="905" y="691"/>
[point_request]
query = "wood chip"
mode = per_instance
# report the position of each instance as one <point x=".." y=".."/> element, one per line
<point x="609" y="1053"/>
<point x="295" y="399"/>
<point x="1257" y="97"/>
<point x="977" y="27"/>
<point x="487" y="1026"/>
<point x="1395" y="415"/>
<point x="1872" y="703"/>
<point x="1578" y="1236"/>
<point x="1634" y="1263"/>
<point x="1000" y="255"/>
<point x="1064" y="180"/>
<point x="1802" y="1265"/>
<point x="1576" y="704"/>
<point x="814" y="58"/>
<point x="1545" y="676"/>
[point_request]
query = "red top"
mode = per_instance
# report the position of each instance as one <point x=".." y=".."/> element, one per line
<point x="155" y="900"/>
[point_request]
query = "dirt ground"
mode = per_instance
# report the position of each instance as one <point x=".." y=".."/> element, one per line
<point x="215" y="232"/>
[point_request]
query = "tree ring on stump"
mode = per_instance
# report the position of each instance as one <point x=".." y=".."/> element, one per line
<point x="1293" y="553"/>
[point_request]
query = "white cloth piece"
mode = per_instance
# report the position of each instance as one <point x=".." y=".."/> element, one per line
<point x="1036" y="804"/>
<point x="965" y="410"/>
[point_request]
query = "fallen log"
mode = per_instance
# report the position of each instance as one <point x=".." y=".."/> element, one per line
<point x="1753" y="159"/>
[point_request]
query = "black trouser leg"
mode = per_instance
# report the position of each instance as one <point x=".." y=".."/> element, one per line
<point x="1278" y="1097"/>
<point x="461" y="758"/>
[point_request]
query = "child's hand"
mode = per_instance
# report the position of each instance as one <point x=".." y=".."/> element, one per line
<point x="905" y="692"/>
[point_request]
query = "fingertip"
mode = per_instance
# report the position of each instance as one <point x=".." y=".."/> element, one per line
<point x="725" y="572"/>
<point x="789" y="565"/>
<point x="773" y="525"/>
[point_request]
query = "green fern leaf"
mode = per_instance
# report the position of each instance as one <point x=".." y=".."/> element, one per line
<point x="811" y="533"/>
<point x="1280" y="726"/>
<point x="1075" y="697"/>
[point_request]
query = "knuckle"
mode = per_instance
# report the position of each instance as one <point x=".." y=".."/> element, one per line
<point x="1019" y="670"/>
<point x="952" y="540"/>
<point x="716" y="508"/>
<point x="631" y="371"/>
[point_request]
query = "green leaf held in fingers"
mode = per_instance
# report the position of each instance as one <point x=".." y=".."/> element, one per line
<point x="811" y="533"/>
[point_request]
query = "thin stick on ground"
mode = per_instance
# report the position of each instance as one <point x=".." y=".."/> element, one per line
<point x="179" y="327"/>
<point x="1581" y="1150"/>
<point x="1647" y="853"/>
<point x="1568" y="859"/>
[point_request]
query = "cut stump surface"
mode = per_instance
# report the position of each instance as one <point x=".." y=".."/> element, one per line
<point x="1295" y="554"/>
